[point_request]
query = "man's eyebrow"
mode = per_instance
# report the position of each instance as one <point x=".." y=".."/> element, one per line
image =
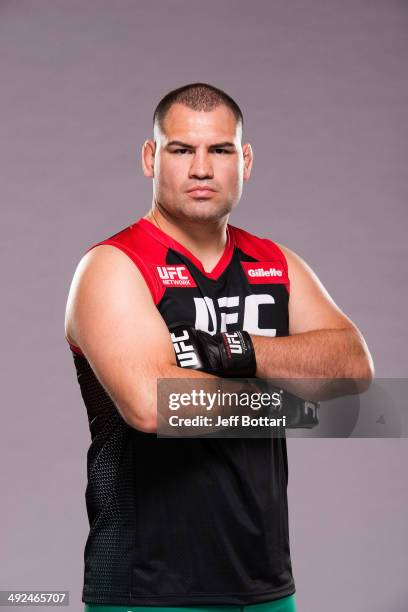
<point x="188" y="146"/>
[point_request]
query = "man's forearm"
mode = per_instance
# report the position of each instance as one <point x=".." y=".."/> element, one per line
<point x="319" y="354"/>
<point x="154" y="416"/>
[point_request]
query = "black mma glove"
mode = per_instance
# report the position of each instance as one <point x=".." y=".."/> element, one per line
<point x="229" y="354"/>
<point x="299" y="413"/>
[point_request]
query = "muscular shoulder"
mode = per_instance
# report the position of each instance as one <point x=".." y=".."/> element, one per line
<point x="104" y="275"/>
<point x="296" y="264"/>
<point x="310" y="305"/>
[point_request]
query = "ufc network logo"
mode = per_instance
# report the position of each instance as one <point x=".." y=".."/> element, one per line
<point x="175" y="276"/>
<point x="228" y="311"/>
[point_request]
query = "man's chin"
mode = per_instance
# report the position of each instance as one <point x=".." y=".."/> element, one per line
<point x="205" y="210"/>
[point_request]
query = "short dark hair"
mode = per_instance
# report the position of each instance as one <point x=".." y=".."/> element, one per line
<point x="198" y="96"/>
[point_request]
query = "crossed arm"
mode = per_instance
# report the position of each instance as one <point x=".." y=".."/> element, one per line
<point x="111" y="316"/>
<point x="322" y="343"/>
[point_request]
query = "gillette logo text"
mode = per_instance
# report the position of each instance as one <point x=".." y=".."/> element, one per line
<point x="258" y="272"/>
<point x="263" y="272"/>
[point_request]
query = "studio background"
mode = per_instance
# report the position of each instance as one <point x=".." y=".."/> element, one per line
<point x="322" y="85"/>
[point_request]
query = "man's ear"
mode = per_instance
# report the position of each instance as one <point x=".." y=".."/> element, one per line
<point x="248" y="160"/>
<point x="148" y="153"/>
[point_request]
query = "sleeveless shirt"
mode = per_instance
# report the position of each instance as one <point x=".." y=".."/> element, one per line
<point x="189" y="521"/>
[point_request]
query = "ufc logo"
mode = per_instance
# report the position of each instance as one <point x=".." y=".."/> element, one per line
<point x="172" y="272"/>
<point x="227" y="309"/>
<point x="310" y="409"/>
<point x="234" y="342"/>
<point x="185" y="354"/>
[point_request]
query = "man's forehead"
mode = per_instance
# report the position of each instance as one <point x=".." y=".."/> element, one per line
<point x="184" y="124"/>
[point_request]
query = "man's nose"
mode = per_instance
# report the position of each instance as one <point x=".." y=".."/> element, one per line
<point x="201" y="166"/>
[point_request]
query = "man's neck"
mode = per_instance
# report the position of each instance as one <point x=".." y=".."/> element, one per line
<point x="205" y="240"/>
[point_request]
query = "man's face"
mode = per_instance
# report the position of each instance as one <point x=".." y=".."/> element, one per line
<point x="198" y="149"/>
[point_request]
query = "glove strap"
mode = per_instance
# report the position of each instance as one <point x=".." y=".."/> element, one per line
<point x="237" y="354"/>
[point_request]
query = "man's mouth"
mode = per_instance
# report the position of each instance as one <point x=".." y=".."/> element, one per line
<point x="201" y="192"/>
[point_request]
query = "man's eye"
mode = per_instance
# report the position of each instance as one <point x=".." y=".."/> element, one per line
<point x="183" y="151"/>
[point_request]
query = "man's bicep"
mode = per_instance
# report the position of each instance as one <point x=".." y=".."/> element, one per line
<point x="119" y="329"/>
<point x="310" y="305"/>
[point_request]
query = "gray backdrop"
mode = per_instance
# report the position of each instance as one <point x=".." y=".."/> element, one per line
<point x="323" y="88"/>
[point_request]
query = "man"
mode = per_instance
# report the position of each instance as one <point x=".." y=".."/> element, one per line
<point x="195" y="521"/>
